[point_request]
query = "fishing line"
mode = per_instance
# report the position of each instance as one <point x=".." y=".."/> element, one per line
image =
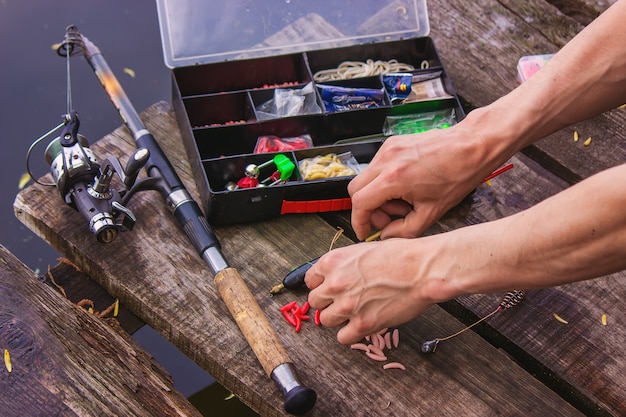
<point x="511" y="299"/>
<point x="64" y="49"/>
<point x="69" y="82"/>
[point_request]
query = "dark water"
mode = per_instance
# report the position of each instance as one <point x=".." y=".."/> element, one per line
<point x="33" y="94"/>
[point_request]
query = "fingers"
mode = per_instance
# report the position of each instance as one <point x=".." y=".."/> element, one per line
<point x="410" y="226"/>
<point x="334" y="315"/>
<point x="353" y="328"/>
<point x="312" y="278"/>
<point x="362" y="210"/>
<point x="330" y="294"/>
<point x="390" y="220"/>
<point x="381" y="191"/>
<point x="385" y="215"/>
<point x="348" y="335"/>
<point x="321" y="297"/>
<point x="374" y="205"/>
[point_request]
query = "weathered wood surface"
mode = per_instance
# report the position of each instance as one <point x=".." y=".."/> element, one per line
<point x="480" y="43"/>
<point x="580" y="360"/>
<point x="67" y="362"/>
<point x="158" y="276"/>
<point x="584" y="11"/>
<point x="585" y="355"/>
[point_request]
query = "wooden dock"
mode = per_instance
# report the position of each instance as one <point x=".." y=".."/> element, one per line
<point x="522" y="361"/>
<point x="60" y="360"/>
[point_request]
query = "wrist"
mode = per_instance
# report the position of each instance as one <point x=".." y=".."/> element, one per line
<point x="463" y="261"/>
<point x="497" y="134"/>
<point x="439" y="274"/>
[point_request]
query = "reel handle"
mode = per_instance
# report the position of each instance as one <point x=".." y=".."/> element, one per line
<point x="137" y="161"/>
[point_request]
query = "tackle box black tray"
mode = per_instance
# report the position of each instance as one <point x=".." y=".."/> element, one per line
<point x="228" y="58"/>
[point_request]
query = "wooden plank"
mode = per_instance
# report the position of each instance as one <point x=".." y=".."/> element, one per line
<point x="480" y="43"/>
<point x="579" y="360"/>
<point x="157" y="275"/>
<point x="584" y="11"/>
<point x="515" y="29"/>
<point x="65" y="361"/>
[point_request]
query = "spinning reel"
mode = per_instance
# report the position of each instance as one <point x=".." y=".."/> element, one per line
<point x="83" y="183"/>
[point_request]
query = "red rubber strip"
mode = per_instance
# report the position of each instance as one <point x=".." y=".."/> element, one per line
<point x="316" y="206"/>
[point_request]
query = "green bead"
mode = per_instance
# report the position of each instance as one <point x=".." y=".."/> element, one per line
<point x="284" y="166"/>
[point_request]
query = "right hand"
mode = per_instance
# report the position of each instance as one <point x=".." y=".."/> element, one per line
<point x="415" y="179"/>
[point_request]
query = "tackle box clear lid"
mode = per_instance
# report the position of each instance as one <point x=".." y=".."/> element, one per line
<point x="207" y="31"/>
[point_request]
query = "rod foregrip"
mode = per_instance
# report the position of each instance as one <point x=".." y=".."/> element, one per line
<point x="263" y="339"/>
<point x="193" y="222"/>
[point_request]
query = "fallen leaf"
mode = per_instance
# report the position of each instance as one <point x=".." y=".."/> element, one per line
<point x="129" y="72"/>
<point x="7" y="360"/>
<point x="24" y="179"/>
<point x="559" y="318"/>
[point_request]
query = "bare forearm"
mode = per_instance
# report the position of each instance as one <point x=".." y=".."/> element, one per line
<point x="585" y="78"/>
<point x="578" y="234"/>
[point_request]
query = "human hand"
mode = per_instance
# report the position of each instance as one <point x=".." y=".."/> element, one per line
<point x="413" y="180"/>
<point x="358" y="286"/>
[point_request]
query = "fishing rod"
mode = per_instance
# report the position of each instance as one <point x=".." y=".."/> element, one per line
<point x="75" y="170"/>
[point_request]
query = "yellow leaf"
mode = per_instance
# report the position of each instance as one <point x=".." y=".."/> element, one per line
<point x="7" y="360"/>
<point x="401" y="9"/>
<point x="23" y="180"/>
<point x="129" y="72"/>
<point x="559" y="318"/>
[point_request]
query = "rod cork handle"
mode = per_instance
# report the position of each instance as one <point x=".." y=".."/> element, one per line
<point x="263" y="340"/>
